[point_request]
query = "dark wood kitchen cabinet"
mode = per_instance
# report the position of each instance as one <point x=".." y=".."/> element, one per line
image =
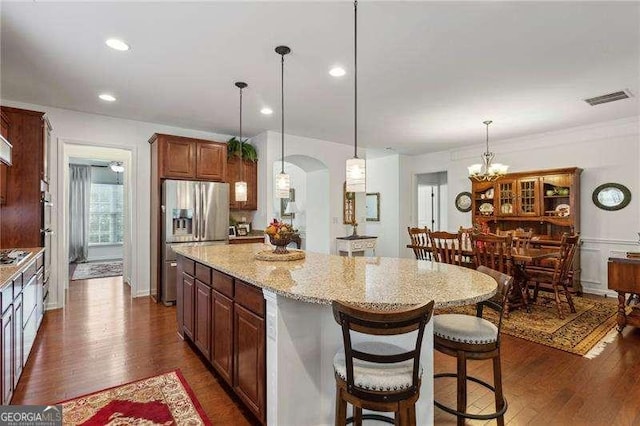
<point x="188" y="308"/>
<point x="222" y="335"/>
<point x="202" y="332"/>
<point x="179" y="157"/>
<point x="211" y="161"/>
<point x="232" y="313"/>
<point x="238" y="170"/>
<point x="4" y="131"/>
<point x="249" y="365"/>
<point x="22" y="214"/>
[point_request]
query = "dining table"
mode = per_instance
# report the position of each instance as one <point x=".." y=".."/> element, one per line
<point x="521" y="258"/>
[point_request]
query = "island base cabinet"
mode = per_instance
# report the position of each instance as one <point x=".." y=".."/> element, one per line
<point x="203" y="318"/>
<point x="188" y="302"/>
<point x="222" y="335"/>
<point x="250" y="356"/>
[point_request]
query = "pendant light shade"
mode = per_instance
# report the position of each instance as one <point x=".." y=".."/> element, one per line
<point x="356" y="167"/>
<point x="240" y="190"/>
<point x="283" y="181"/>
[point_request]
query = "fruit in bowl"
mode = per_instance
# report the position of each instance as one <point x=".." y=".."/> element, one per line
<point x="280" y="235"/>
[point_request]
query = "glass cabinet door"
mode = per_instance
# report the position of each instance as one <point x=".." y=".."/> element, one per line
<point x="506" y="198"/>
<point x="528" y="197"/>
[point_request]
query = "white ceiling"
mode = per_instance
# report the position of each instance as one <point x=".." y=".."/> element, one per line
<point x="430" y="72"/>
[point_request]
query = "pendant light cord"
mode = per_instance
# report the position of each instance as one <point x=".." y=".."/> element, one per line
<point x="282" y="110"/>
<point x="355" y="78"/>
<point x="241" y="142"/>
<point x="487" y="138"/>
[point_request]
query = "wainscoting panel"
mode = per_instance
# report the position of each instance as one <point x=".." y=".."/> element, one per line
<point x="595" y="253"/>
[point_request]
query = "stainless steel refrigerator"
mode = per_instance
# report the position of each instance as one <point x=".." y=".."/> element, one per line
<point x="193" y="213"/>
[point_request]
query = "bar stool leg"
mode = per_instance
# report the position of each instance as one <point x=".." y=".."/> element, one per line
<point x="497" y="383"/>
<point x="411" y="416"/>
<point x="462" y="385"/>
<point x="341" y="408"/>
<point x="398" y="417"/>
<point x="357" y="416"/>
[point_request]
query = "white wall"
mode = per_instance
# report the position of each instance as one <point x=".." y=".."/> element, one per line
<point x="383" y="177"/>
<point x="107" y="131"/>
<point x="608" y="152"/>
<point x="330" y="154"/>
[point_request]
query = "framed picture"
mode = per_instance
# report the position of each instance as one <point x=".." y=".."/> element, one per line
<point x="232" y="231"/>
<point x="463" y="201"/>
<point x="284" y="202"/>
<point x="373" y="207"/>
<point x="244" y="228"/>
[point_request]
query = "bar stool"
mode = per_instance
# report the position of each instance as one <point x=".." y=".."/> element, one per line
<point x="473" y="337"/>
<point x="376" y="375"/>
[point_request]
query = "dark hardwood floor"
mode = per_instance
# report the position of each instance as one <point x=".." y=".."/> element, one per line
<point x="103" y="338"/>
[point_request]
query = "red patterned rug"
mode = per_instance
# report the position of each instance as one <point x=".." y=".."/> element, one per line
<point x="165" y="399"/>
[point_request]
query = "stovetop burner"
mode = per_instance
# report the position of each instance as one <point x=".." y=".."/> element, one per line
<point x="12" y="257"/>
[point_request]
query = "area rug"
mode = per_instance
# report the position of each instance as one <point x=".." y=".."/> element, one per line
<point x="582" y="333"/>
<point x="165" y="399"/>
<point x="87" y="271"/>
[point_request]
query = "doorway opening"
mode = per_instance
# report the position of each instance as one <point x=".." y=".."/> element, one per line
<point x="96" y="217"/>
<point x="308" y="205"/>
<point x="432" y="201"/>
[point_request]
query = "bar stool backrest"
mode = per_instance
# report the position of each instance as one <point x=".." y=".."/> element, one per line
<point x="499" y="300"/>
<point x="382" y="323"/>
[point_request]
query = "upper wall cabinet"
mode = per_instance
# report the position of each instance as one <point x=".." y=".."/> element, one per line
<point x="188" y="158"/>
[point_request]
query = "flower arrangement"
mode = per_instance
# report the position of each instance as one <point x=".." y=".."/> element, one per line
<point x="280" y="235"/>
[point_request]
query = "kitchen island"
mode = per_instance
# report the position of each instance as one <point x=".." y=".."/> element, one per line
<point x="300" y="332"/>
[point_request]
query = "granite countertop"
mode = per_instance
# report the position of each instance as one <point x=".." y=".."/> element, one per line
<point x="379" y="282"/>
<point x="8" y="273"/>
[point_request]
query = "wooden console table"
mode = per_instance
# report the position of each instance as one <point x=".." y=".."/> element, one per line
<point x="624" y="277"/>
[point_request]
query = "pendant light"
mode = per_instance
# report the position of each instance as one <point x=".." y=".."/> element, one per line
<point x="241" y="186"/>
<point x="283" y="181"/>
<point x="486" y="171"/>
<point x="356" y="167"/>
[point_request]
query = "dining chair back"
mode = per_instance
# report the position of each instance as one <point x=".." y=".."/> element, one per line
<point x="493" y="251"/>
<point x="446" y="247"/>
<point x="420" y="243"/>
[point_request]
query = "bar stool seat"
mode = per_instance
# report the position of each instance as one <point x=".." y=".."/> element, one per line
<point x="465" y="329"/>
<point x="376" y="376"/>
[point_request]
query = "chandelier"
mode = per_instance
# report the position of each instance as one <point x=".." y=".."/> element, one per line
<point x="487" y="171"/>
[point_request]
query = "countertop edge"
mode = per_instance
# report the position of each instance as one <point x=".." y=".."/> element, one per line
<point x="35" y="251"/>
<point x="318" y="301"/>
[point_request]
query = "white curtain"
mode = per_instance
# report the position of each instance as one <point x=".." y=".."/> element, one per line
<point x="79" y="197"/>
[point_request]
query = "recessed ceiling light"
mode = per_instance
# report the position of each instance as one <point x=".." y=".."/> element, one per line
<point x="107" y="97"/>
<point x="337" y="72"/>
<point x="266" y="111"/>
<point x="116" y="44"/>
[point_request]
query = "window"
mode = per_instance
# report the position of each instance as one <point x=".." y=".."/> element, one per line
<point x="106" y="214"/>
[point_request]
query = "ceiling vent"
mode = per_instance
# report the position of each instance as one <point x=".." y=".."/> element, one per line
<point x="615" y="96"/>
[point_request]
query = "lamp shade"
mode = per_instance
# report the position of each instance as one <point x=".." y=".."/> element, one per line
<point x="241" y="191"/>
<point x="292" y="208"/>
<point x="283" y="184"/>
<point x="356" y="175"/>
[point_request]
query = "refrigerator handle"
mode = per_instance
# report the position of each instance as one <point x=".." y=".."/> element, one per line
<point x="202" y="204"/>
<point x="196" y="212"/>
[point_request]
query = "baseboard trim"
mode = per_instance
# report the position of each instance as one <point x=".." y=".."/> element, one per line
<point x="600" y="292"/>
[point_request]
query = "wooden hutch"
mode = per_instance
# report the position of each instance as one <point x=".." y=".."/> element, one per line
<point x="547" y="201"/>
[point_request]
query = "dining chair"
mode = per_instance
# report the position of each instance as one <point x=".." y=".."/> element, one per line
<point x="520" y="238"/>
<point x="493" y="251"/>
<point x="473" y="337"/>
<point x="377" y="375"/>
<point x="420" y="243"/>
<point x="468" y="261"/>
<point x="558" y="278"/>
<point x="446" y="247"/>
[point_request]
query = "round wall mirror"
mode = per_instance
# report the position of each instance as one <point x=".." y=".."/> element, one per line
<point x="611" y="196"/>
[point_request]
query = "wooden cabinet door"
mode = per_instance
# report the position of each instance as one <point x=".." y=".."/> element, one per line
<point x="211" y="161"/>
<point x="222" y="335"/>
<point x="7" y="356"/>
<point x="251" y="177"/>
<point x="529" y="195"/>
<point x="202" y="333"/>
<point x="249" y="377"/>
<point x="179" y="158"/>
<point x="506" y="197"/>
<point x="188" y="305"/>
<point x="18" y="338"/>
<point x="3" y="183"/>
<point x="46" y="146"/>
<point x="234" y="174"/>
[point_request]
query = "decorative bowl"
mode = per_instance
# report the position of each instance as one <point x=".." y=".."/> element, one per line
<point x="281" y="241"/>
<point x="551" y="192"/>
